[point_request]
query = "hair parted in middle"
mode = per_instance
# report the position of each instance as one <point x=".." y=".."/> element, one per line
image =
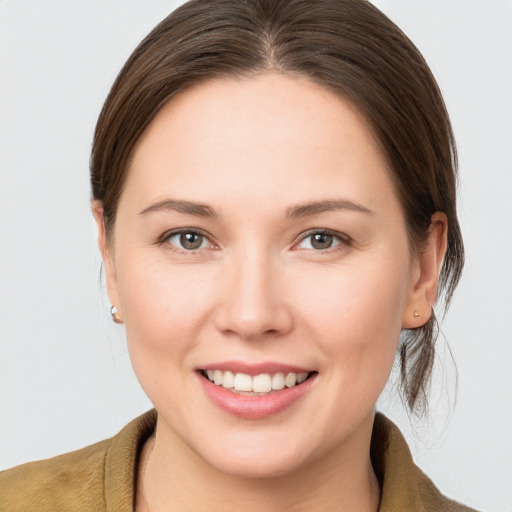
<point x="347" y="46"/>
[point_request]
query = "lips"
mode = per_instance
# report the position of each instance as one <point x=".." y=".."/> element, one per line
<point x="255" y="391"/>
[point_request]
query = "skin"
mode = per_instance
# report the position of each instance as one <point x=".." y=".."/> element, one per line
<point x="257" y="290"/>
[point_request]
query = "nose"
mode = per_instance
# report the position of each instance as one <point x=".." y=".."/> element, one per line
<point x="254" y="303"/>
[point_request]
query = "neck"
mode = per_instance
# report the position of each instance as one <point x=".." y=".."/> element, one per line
<point x="174" y="478"/>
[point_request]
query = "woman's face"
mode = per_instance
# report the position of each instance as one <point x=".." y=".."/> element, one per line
<point x="259" y="233"/>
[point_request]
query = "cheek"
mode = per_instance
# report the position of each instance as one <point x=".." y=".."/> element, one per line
<point x="165" y="307"/>
<point x="355" y="313"/>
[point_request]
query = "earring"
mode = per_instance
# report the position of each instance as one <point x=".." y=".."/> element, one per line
<point x="113" y="313"/>
<point x="416" y="314"/>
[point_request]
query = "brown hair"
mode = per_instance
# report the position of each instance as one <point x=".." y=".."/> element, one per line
<point x="348" y="46"/>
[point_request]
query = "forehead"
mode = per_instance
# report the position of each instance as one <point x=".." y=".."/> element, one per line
<point x="258" y="135"/>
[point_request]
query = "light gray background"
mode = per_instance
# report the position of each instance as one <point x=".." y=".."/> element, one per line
<point x="65" y="377"/>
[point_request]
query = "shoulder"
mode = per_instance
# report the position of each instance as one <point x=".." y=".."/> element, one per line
<point x="403" y="485"/>
<point x="73" y="481"/>
<point x="96" y="478"/>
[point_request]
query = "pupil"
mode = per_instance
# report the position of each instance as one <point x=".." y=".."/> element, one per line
<point x="321" y="241"/>
<point x="191" y="240"/>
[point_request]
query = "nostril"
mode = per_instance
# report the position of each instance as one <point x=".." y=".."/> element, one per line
<point x="253" y="311"/>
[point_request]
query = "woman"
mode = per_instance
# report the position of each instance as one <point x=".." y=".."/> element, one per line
<point x="274" y="189"/>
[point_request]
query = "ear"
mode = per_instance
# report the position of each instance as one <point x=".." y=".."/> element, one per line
<point x="423" y="293"/>
<point x="107" y="257"/>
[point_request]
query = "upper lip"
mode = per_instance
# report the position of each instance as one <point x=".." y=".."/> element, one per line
<point x="254" y="368"/>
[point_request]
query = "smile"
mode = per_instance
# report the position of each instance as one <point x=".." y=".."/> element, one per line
<point x="251" y="393"/>
<point x="264" y="383"/>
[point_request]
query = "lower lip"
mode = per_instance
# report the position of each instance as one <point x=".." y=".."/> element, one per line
<point x="255" y="407"/>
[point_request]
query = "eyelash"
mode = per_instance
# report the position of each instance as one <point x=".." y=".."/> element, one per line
<point x="165" y="238"/>
<point x="341" y="238"/>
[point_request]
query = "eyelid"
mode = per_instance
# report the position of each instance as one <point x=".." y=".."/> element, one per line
<point x="173" y="232"/>
<point x="342" y="237"/>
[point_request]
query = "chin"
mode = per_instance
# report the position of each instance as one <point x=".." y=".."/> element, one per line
<point x="255" y="468"/>
<point x="256" y="459"/>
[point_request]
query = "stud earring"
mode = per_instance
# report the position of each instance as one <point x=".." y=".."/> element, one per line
<point x="113" y="313"/>
<point x="416" y="314"/>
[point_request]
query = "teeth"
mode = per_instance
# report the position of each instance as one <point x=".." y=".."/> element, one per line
<point x="301" y="377"/>
<point x="263" y="383"/>
<point x="228" y="380"/>
<point x="278" y="381"/>
<point x="290" y="380"/>
<point x="243" y="382"/>
<point x="217" y="377"/>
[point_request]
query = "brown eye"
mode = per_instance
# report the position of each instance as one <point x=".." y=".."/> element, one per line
<point x="188" y="240"/>
<point x="191" y="241"/>
<point x="321" y="241"/>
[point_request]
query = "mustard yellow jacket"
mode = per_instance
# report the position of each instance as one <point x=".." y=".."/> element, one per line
<point x="100" y="477"/>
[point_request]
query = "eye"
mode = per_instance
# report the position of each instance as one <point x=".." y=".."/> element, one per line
<point x="321" y="240"/>
<point x="188" y="240"/>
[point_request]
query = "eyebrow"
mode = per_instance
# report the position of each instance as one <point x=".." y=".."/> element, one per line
<point x="316" y="207"/>
<point x="189" y="207"/>
<point x="300" y="210"/>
